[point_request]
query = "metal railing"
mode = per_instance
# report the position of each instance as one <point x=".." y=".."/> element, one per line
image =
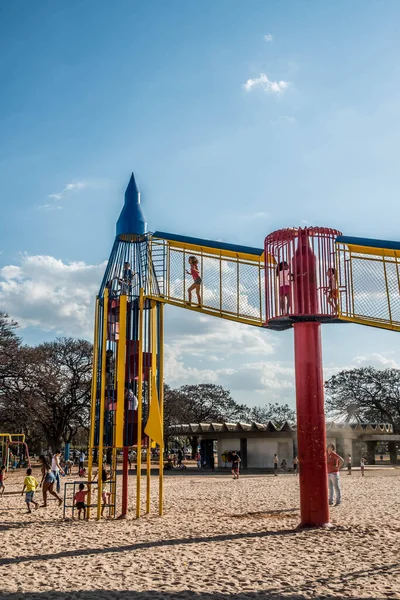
<point x="232" y="287"/>
<point x="369" y="286"/>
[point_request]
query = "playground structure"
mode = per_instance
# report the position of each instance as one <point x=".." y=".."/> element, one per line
<point x="301" y="278"/>
<point x="8" y="440"/>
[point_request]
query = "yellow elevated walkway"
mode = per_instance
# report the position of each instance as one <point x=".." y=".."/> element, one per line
<point x="369" y="282"/>
<point x="232" y="277"/>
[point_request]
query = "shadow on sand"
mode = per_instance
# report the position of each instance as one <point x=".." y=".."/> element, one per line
<point x="184" y="595"/>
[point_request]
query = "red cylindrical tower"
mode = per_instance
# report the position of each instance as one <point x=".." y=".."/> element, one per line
<point x="301" y="291"/>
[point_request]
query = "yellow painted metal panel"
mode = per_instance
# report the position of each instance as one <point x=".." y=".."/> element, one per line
<point x="373" y="251"/>
<point x="368" y="286"/>
<point x="218" y="251"/>
<point x="121" y="362"/>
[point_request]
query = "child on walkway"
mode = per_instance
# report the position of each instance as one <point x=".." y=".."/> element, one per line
<point x="79" y="500"/>
<point x="195" y="273"/>
<point x="30" y="484"/>
<point x="2" y="478"/>
<point x="362" y="465"/>
<point x="332" y="292"/>
<point x="284" y="278"/>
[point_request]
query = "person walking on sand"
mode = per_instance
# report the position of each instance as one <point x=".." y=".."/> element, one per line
<point x="348" y="461"/>
<point x="48" y="481"/>
<point x="362" y="466"/>
<point x="295" y="466"/>
<point x="81" y="463"/>
<point x="334" y="462"/>
<point x="56" y="468"/>
<point x="2" y="478"/>
<point x="276" y="465"/>
<point x="235" y="458"/>
<point x="30" y="485"/>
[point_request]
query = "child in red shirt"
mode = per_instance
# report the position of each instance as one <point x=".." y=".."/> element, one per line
<point x="195" y="273"/>
<point x="79" y="500"/>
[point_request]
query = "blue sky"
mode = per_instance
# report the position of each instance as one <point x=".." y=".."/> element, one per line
<point x="93" y="90"/>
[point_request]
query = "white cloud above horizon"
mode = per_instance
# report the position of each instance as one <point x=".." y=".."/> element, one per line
<point x="268" y="86"/>
<point x="53" y="200"/>
<point x="269" y="37"/>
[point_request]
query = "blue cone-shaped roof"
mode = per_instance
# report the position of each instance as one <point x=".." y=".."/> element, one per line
<point x="132" y="220"/>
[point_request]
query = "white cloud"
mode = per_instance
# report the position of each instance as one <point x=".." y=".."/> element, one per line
<point x="288" y="119"/>
<point x="46" y="293"/>
<point x="269" y="37"/>
<point x="378" y="361"/>
<point x="55" y="198"/>
<point x="270" y="87"/>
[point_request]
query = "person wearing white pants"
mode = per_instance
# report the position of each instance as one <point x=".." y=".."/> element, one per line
<point x="334" y="463"/>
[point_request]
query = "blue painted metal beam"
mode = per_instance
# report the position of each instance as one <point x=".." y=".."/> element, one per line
<point x="207" y="243"/>
<point x="368" y="242"/>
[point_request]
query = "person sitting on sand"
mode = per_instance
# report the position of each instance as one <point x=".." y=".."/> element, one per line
<point x="30" y="485"/>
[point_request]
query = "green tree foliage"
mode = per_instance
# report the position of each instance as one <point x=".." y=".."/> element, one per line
<point x="44" y="390"/>
<point x="277" y="413"/>
<point x="366" y="394"/>
<point x="207" y="402"/>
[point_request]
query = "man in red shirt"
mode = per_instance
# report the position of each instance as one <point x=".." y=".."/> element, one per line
<point x="334" y="462"/>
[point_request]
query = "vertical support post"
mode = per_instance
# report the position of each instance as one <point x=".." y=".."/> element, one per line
<point x="311" y="436"/>
<point x="140" y="405"/>
<point x="125" y="475"/>
<point x="102" y="402"/>
<point x="161" y="399"/>
<point x="121" y="352"/>
<point x="93" y="401"/>
<point x="66" y="451"/>
<point x="148" y="475"/>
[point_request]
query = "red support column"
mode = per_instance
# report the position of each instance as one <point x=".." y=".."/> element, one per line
<point x="311" y="436"/>
<point x="125" y="475"/>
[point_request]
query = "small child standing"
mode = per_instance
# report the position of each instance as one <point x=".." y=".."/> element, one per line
<point x="284" y="278"/>
<point x="195" y="273"/>
<point x="80" y="499"/>
<point x="105" y="496"/>
<point x="332" y="292"/>
<point x="30" y="484"/>
<point x="362" y="466"/>
<point x="2" y="478"/>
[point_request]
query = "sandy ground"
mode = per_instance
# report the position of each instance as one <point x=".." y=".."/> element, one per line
<point x="219" y="538"/>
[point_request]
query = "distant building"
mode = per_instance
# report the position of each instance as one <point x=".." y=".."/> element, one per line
<point x="257" y="443"/>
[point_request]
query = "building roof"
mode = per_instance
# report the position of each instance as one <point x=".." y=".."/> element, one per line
<point x="270" y="426"/>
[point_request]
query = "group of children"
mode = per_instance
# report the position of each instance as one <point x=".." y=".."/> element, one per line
<point x="31" y="485"/>
<point x="285" y="278"/>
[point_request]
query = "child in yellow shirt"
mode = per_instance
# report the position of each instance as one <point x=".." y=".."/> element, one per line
<point x="30" y="484"/>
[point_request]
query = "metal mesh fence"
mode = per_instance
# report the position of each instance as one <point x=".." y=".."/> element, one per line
<point x="230" y="287"/>
<point x="369" y="288"/>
